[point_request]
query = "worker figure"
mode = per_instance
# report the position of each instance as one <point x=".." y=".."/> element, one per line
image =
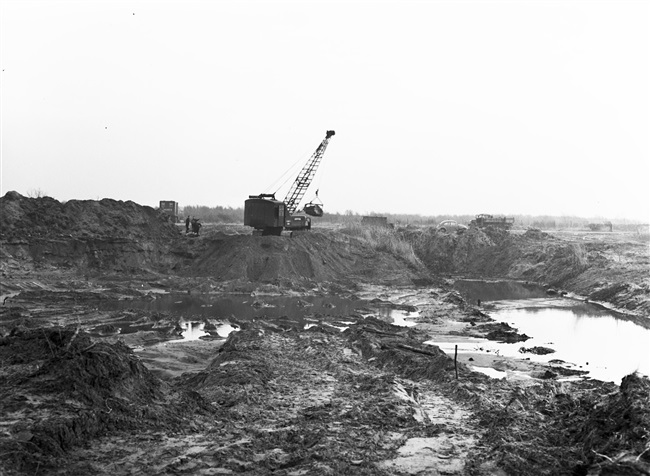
<point x="187" y="225"/>
<point x="196" y="226"/>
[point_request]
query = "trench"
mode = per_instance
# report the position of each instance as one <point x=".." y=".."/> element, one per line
<point x="581" y="335"/>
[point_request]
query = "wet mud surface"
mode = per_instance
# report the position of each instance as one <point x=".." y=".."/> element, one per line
<point x="89" y="388"/>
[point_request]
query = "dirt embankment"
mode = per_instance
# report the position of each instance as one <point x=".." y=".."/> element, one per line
<point x="107" y="236"/>
<point x="85" y="235"/>
<point x="605" y="267"/>
<point x="305" y="259"/>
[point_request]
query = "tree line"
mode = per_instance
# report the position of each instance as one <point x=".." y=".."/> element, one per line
<point x="219" y="214"/>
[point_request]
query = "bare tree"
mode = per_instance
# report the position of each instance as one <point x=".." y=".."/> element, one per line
<point x="35" y="193"/>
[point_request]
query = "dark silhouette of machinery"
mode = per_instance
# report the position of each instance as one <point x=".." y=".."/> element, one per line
<point x="483" y="220"/>
<point x="269" y="216"/>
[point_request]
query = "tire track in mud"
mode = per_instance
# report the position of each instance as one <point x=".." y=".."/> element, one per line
<point x="443" y="453"/>
<point x="297" y="403"/>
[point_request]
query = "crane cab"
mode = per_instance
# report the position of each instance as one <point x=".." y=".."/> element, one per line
<point x="265" y="214"/>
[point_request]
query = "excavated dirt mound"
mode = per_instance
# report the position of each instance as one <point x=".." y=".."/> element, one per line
<point x="109" y="236"/>
<point x="306" y="401"/>
<point x="23" y="218"/>
<point x="547" y="429"/>
<point x="313" y="257"/>
<point x="401" y="351"/>
<point x="60" y="389"/>
<point x="85" y="235"/>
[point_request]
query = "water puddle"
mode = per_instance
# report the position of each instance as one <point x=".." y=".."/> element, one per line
<point x="473" y="290"/>
<point x="399" y="317"/>
<point x="582" y="335"/>
<point x="224" y="330"/>
<point x="299" y="312"/>
<point x="395" y="314"/>
<point x="191" y="331"/>
<point x="490" y="372"/>
<point x="243" y="307"/>
<point x="585" y="335"/>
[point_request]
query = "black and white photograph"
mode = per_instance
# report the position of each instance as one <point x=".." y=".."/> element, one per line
<point x="310" y="237"/>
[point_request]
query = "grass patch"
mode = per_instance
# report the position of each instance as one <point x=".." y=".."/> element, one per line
<point x="384" y="239"/>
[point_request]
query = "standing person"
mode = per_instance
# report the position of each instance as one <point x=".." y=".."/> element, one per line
<point x="196" y="226"/>
<point x="187" y="225"/>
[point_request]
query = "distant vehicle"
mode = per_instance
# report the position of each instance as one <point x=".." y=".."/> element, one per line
<point x="451" y="226"/>
<point x="170" y="208"/>
<point x="606" y="226"/>
<point x="484" y="220"/>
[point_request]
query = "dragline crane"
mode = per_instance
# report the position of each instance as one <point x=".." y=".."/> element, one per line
<point x="306" y="175"/>
<point x="269" y="216"/>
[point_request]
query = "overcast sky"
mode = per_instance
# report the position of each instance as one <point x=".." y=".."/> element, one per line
<point x="439" y="107"/>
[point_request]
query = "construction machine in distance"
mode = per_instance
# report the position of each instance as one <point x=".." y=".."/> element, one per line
<point x="269" y="216"/>
<point x="484" y="220"/>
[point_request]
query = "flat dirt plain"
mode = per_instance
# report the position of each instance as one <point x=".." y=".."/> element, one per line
<point x="344" y="395"/>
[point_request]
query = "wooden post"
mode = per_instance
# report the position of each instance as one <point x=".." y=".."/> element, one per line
<point x="456" y="360"/>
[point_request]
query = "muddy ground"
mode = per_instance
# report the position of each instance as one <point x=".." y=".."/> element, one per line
<point x="275" y="397"/>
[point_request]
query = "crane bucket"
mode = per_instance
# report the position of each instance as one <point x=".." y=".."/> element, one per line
<point x="313" y="209"/>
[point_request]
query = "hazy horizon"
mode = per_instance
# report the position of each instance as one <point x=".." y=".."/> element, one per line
<point x="442" y="215"/>
<point x="537" y="108"/>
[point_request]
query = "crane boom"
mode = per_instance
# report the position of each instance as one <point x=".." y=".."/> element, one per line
<point x="306" y="175"/>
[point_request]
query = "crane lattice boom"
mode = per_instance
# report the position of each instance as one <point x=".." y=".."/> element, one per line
<point x="306" y="175"/>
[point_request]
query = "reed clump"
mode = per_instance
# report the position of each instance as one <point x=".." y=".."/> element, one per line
<point x="384" y="239"/>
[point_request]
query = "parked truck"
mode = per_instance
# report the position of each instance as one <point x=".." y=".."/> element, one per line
<point x="482" y="220"/>
<point x="170" y="208"/>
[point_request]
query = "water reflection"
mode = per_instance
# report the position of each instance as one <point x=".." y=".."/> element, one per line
<point x="191" y="331"/>
<point x="300" y="310"/>
<point x="473" y="290"/>
<point x="590" y="337"/>
<point x="490" y="372"/>
<point x="398" y="317"/>
<point x="242" y="307"/>
<point x="224" y="330"/>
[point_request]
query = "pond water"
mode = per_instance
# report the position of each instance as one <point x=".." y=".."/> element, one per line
<point x="474" y="289"/>
<point x="589" y="336"/>
<point x="297" y="311"/>
<point x="242" y="306"/>
<point x="583" y="334"/>
<point x="191" y="331"/>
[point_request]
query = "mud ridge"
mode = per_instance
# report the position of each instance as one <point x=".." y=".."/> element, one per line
<point x="65" y="389"/>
